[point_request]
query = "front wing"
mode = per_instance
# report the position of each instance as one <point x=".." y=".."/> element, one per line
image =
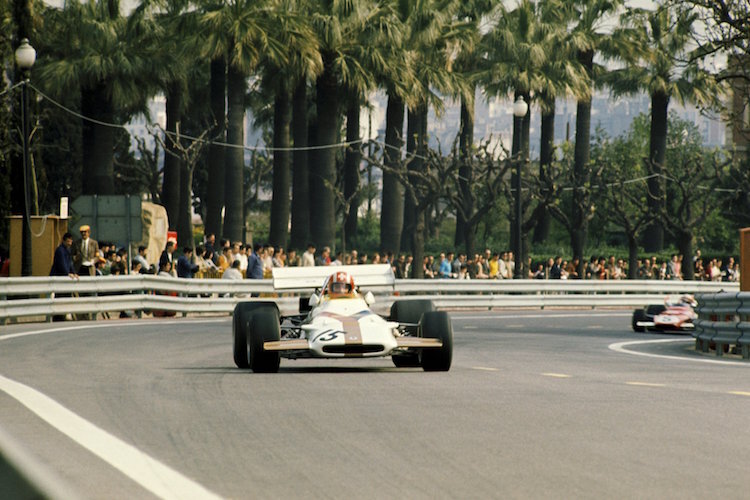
<point x="302" y="347"/>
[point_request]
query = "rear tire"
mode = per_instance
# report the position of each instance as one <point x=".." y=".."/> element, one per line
<point x="409" y="311"/>
<point x="265" y="327"/>
<point x="639" y="315"/>
<point x="437" y="325"/>
<point x="655" y="309"/>
<point x="241" y="318"/>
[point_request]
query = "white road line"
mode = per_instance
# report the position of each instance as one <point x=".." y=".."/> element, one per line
<point x="644" y="384"/>
<point x="156" y="477"/>
<point x="459" y="317"/>
<point x="621" y="348"/>
<point x="556" y="375"/>
<point x="104" y="325"/>
<point x="486" y="369"/>
<point x="739" y="393"/>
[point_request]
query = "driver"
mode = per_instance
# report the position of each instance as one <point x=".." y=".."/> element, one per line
<point x="340" y="284"/>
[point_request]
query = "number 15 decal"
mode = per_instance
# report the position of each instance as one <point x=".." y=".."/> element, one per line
<point x="328" y="336"/>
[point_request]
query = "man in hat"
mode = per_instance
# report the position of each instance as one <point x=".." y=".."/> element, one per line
<point x="85" y="251"/>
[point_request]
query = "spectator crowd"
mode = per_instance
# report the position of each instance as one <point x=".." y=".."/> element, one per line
<point x="234" y="260"/>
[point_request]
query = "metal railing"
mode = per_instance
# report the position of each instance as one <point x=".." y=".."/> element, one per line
<point x="723" y="323"/>
<point x="50" y="296"/>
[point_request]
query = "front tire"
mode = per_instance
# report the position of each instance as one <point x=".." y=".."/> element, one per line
<point x="437" y="325"/>
<point x="241" y="318"/>
<point x="265" y="327"/>
<point x="638" y="315"/>
<point x="409" y="311"/>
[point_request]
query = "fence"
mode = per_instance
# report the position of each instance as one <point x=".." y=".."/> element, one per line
<point x="47" y="297"/>
<point x="723" y="323"/>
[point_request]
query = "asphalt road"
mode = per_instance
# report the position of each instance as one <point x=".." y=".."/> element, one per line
<point x="538" y="404"/>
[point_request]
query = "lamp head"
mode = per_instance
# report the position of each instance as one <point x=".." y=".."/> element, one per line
<point x="520" y="108"/>
<point x="25" y="55"/>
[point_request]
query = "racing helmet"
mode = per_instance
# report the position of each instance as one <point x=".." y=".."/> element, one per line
<point x="339" y="284"/>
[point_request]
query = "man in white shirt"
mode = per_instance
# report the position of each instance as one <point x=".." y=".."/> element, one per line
<point x="238" y="254"/>
<point x="233" y="273"/>
<point x="308" y="258"/>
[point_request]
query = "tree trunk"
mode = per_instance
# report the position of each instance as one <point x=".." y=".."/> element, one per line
<point x="392" y="210"/>
<point x="632" y="257"/>
<point x="351" y="171"/>
<point x="418" y="243"/>
<point x="235" y="156"/>
<point x="464" y="232"/>
<point x="546" y="152"/>
<point x="323" y="171"/>
<point x="413" y="127"/>
<point x="280" y="204"/>
<point x="98" y="143"/>
<point x="173" y="164"/>
<point x="582" y="155"/>
<point x="185" y="227"/>
<point x="685" y="248"/>
<point x="216" y="153"/>
<point x="300" y="177"/>
<point x="654" y="235"/>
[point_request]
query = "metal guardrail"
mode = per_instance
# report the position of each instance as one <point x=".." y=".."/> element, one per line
<point x="723" y="323"/>
<point x="50" y="296"/>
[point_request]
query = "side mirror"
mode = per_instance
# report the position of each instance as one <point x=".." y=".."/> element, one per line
<point x="369" y="298"/>
<point x="314" y="299"/>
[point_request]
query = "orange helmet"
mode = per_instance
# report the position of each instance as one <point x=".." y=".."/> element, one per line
<point x="339" y="284"/>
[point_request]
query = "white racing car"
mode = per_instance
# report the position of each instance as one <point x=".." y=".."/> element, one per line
<point x="336" y="322"/>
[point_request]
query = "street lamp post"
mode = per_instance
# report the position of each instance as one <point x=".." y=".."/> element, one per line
<point x="520" y="108"/>
<point x="25" y="58"/>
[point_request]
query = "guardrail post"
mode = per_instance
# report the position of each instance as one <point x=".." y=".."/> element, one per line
<point x="703" y="324"/>
<point x="743" y="342"/>
<point x="725" y="325"/>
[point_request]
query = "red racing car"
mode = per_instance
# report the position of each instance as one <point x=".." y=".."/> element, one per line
<point x="677" y="314"/>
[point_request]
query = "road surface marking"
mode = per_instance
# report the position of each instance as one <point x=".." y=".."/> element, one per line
<point x="156" y="477"/>
<point x="621" y="348"/>
<point x="556" y="375"/>
<point x="459" y="316"/>
<point x="645" y="384"/>
<point x="486" y="369"/>
<point x="739" y="393"/>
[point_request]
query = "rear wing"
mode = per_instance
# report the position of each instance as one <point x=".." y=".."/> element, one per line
<point x="370" y="276"/>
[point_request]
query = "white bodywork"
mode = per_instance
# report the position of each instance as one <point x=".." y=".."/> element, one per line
<point x="346" y="327"/>
<point x="340" y="327"/>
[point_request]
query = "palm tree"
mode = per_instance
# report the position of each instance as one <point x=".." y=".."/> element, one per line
<point x="518" y="62"/>
<point x="661" y="39"/>
<point x="302" y="61"/>
<point x="563" y="75"/>
<point x="242" y="30"/>
<point x="347" y="67"/>
<point x="588" y="37"/>
<point x="111" y="60"/>
<point x="442" y="34"/>
<point x="468" y="64"/>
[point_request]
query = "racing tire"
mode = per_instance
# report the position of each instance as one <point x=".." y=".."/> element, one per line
<point x="655" y="309"/>
<point x="409" y="311"/>
<point x="639" y="315"/>
<point x="241" y="317"/>
<point x="437" y="325"/>
<point x="264" y="327"/>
